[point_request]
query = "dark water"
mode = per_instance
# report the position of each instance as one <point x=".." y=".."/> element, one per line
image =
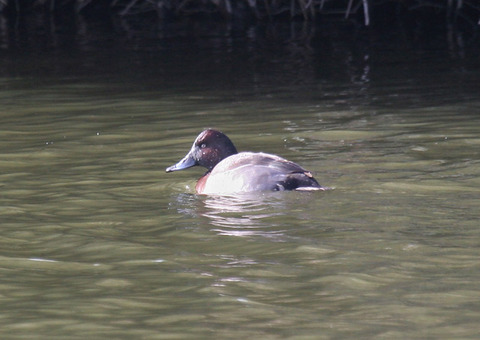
<point x="97" y="241"/>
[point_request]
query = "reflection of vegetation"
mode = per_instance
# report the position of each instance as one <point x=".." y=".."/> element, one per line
<point x="260" y="9"/>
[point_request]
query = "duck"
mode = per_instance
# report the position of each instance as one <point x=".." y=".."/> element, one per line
<point x="231" y="172"/>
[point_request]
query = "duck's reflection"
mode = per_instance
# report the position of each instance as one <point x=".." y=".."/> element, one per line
<point x="243" y="215"/>
<point x="259" y="214"/>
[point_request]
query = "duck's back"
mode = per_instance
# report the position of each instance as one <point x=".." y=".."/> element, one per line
<point x="248" y="171"/>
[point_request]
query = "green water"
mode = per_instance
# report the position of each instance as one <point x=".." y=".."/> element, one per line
<point x="98" y="242"/>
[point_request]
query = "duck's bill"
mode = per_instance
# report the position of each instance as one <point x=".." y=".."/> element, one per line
<point x="187" y="162"/>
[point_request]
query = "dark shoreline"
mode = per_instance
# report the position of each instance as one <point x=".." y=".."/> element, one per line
<point x="364" y="12"/>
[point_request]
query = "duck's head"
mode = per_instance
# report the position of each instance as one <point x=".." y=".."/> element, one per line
<point x="208" y="149"/>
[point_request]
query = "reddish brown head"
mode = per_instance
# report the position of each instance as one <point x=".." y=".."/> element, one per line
<point x="210" y="147"/>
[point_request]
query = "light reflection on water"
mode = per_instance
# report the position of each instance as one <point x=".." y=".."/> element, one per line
<point x="239" y="216"/>
<point x="243" y="215"/>
<point x="97" y="241"/>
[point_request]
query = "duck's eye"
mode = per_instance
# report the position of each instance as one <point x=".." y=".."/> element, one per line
<point x="203" y="146"/>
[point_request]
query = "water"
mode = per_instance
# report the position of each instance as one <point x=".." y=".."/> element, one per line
<point x="99" y="242"/>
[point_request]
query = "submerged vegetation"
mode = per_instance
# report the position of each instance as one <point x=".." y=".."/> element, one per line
<point x="365" y="11"/>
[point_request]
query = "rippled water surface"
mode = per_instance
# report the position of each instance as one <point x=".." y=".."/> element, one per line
<point x="97" y="241"/>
